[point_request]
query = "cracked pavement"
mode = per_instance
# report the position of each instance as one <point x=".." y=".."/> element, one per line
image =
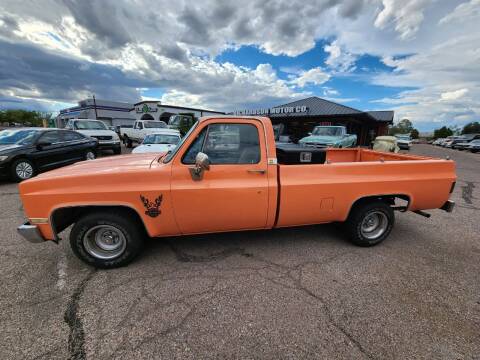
<point x="288" y="293"/>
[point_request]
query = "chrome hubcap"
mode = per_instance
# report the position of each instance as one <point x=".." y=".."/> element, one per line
<point x="374" y="225"/>
<point x="24" y="170"/>
<point x="90" y="155"/>
<point x="104" y="242"/>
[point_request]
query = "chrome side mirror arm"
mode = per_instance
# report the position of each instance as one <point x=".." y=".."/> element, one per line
<point x="202" y="163"/>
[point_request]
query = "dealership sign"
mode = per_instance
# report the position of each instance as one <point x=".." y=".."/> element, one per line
<point x="145" y="109"/>
<point x="274" y="111"/>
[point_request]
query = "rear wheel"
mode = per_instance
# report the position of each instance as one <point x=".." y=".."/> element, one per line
<point x="22" y="169"/>
<point x="107" y="239"/>
<point x="370" y="223"/>
<point x="127" y="141"/>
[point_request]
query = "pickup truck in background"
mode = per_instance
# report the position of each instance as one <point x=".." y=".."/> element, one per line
<point x="107" y="138"/>
<point x="404" y="141"/>
<point x="139" y="130"/>
<point x="227" y="174"/>
<point x="329" y="136"/>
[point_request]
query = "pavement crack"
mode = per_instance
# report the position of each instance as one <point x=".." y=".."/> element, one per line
<point x="76" y="338"/>
<point x="184" y="257"/>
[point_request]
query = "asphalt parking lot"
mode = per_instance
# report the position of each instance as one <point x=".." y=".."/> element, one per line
<point x="291" y="293"/>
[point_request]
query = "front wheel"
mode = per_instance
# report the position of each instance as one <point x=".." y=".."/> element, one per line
<point x="370" y="223"/>
<point x="22" y="169"/>
<point x="90" y="155"/>
<point x="106" y="239"/>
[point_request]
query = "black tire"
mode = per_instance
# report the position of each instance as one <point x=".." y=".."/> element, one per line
<point x="131" y="230"/>
<point x="128" y="142"/>
<point x="17" y="175"/>
<point x="365" y="211"/>
<point x="117" y="150"/>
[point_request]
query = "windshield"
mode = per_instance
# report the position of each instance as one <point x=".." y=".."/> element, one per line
<point x="171" y="153"/>
<point x="161" y="139"/>
<point x="403" y="137"/>
<point x="154" y="124"/>
<point x="327" y="131"/>
<point x="89" y="125"/>
<point x="18" y="137"/>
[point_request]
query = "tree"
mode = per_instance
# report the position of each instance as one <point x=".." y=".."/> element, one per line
<point x="23" y="117"/>
<point x="414" y="134"/>
<point x="443" y="132"/>
<point x="404" y="126"/>
<point x="471" y="128"/>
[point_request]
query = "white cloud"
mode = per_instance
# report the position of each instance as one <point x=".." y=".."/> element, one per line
<point x="406" y="15"/>
<point x="339" y="59"/>
<point x="453" y="95"/>
<point x="468" y="10"/>
<point x="315" y="76"/>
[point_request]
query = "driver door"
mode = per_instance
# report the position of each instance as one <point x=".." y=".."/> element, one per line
<point x="233" y="194"/>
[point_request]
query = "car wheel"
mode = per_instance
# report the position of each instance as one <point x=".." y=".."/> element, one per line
<point x="107" y="239"/>
<point x="22" y="169"/>
<point x="90" y="155"/>
<point x="370" y="223"/>
<point x="128" y="142"/>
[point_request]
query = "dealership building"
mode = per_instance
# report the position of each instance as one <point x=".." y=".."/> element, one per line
<point x="298" y="118"/>
<point x="114" y="113"/>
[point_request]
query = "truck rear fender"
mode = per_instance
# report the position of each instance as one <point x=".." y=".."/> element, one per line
<point x="63" y="217"/>
<point x="388" y="198"/>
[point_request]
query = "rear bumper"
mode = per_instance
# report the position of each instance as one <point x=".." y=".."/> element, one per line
<point x="31" y="233"/>
<point x="448" y="206"/>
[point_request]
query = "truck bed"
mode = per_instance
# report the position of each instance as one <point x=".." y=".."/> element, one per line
<point x="313" y="193"/>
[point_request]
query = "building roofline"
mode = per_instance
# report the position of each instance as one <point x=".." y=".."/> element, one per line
<point x="175" y="106"/>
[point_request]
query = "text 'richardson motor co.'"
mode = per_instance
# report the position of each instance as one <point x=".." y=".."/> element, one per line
<point x="277" y="110"/>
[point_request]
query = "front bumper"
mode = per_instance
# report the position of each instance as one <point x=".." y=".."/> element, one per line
<point x="108" y="144"/>
<point x="31" y="233"/>
<point x="448" y="206"/>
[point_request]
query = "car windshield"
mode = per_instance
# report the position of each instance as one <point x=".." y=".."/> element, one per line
<point x="171" y="153"/>
<point x="402" y="137"/>
<point x="161" y="139"/>
<point x="154" y="125"/>
<point x="90" y="125"/>
<point x="327" y="131"/>
<point x="18" y="137"/>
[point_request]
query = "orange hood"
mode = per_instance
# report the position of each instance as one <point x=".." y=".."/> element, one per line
<point x="107" y="165"/>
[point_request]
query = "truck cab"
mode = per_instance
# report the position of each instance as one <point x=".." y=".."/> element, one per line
<point x="140" y="129"/>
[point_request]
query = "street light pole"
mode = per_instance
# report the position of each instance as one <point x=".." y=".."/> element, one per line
<point x="95" y="107"/>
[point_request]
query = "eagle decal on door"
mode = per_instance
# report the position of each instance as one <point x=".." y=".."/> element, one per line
<point x="153" y="208"/>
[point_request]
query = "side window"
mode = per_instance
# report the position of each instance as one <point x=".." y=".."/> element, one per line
<point x="71" y="136"/>
<point x="194" y="149"/>
<point x="51" y="137"/>
<point x="226" y="144"/>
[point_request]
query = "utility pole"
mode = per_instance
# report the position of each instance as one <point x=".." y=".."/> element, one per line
<point x="95" y="107"/>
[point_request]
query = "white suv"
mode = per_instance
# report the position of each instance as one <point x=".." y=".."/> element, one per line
<point x="107" y="139"/>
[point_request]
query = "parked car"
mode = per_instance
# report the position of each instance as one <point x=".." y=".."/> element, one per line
<point x="208" y="185"/>
<point x="182" y="123"/>
<point x="161" y="141"/>
<point x="107" y="138"/>
<point x="385" y="143"/>
<point x="438" y="141"/>
<point x="449" y="141"/>
<point x="140" y="129"/>
<point x="403" y="141"/>
<point x="474" y="145"/>
<point x="329" y="136"/>
<point x="463" y="142"/>
<point x="25" y="152"/>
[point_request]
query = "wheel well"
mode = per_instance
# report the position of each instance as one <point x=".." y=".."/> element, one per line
<point x="62" y="218"/>
<point x="388" y="198"/>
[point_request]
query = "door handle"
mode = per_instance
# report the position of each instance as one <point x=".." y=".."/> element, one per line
<point x="257" y="171"/>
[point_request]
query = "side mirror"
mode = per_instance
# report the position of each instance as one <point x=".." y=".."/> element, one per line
<point x="202" y="163"/>
<point x="42" y="144"/>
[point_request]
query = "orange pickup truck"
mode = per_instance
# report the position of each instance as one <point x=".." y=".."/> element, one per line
<point x="227" y="175"/>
